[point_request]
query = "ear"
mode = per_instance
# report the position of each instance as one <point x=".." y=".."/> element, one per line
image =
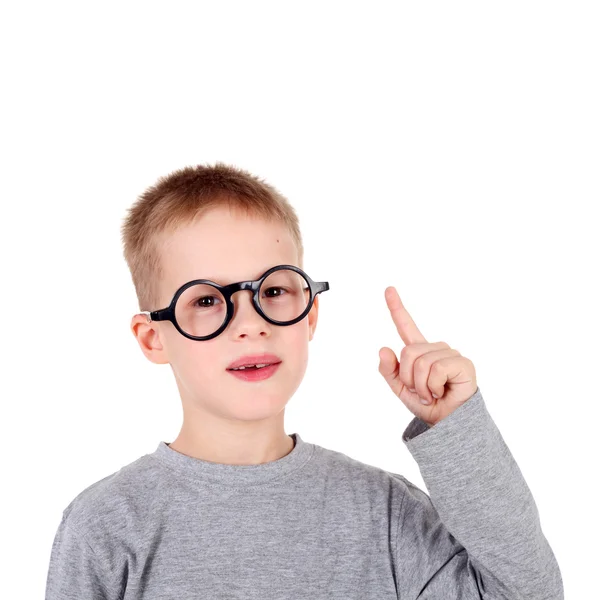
<point x="312" y="318"/>
<point x="147" y="336"/>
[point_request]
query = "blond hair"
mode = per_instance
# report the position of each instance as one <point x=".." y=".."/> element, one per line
<point x="179" y="199"/>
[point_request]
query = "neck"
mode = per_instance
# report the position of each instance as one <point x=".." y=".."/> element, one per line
<point x="231" y="444"/>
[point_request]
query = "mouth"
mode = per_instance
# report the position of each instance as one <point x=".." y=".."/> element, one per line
<point x="256" y="367"/>
<point x="255" y="373"/>
<point x="254" y="362"/>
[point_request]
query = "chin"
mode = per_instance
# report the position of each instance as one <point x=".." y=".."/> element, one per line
<point x="256" y="405"/>
<point x="255" y="413"/>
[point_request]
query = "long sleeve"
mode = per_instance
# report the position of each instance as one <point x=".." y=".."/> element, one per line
<point x="478" y="535"/>
<point x="75" y="571"/>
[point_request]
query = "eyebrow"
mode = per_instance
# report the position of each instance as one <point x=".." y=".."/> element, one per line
<point x="220" y="280"/>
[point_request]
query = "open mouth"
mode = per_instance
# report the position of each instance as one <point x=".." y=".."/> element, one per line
<point x="252" y="367"/>
<point x="255" y="372"/>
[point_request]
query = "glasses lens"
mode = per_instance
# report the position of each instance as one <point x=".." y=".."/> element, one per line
<point x="200" y="310"/>
<point x="284" y="295"/>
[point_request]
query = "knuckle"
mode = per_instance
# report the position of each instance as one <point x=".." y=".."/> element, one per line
<point x="437" y="367"/>
<point x="421" y="362"/>
<point x="406" y="379"/>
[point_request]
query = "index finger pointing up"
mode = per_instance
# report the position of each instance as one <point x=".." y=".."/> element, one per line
<point x="407" y="328"/>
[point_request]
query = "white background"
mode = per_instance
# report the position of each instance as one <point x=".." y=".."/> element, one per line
<point x="450" y="149"/>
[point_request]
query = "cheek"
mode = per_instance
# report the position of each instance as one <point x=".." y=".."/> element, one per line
<point x="201" y="361"/>
<point x="294" y="343"/>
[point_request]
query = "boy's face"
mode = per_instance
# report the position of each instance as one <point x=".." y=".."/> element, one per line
<point x="225" y="247"/>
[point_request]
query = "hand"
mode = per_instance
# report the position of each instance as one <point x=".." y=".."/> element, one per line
<point x="425" y="369"/>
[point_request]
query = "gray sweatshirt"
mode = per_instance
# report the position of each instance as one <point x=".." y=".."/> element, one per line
<point x="315" y="524"/>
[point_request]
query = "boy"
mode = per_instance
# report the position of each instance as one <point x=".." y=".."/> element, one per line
<point x="236" y="508"/>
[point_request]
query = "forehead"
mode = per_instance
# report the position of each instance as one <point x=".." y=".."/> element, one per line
<point x="224" y="246"/>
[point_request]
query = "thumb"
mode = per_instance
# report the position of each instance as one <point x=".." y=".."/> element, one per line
<point x="389" y="367"/>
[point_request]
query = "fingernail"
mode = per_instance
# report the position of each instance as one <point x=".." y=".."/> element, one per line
<point x="435" y="396"/>
<point x="411" y="389"/>
<point x="424" y="401"/>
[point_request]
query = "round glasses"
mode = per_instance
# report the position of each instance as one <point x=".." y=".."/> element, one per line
<point x="201" y="309"/>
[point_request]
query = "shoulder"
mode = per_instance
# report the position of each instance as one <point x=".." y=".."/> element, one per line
<point x="111" y="503"/>
<point x="361" y="477"/>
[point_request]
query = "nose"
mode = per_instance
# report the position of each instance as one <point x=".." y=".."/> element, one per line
<point x="245" y="316"/>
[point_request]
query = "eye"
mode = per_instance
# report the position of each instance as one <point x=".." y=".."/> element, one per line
<point x="274" y="288"/>
<point x="200" y="302"/>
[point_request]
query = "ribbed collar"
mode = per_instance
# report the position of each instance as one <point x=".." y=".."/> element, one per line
<point x="206" y="471"/>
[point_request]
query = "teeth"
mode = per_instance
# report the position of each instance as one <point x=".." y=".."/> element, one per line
<point x="258" y="366"/>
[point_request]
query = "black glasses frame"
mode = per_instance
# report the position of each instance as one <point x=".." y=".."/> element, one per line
<point x="168" y="313"/>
